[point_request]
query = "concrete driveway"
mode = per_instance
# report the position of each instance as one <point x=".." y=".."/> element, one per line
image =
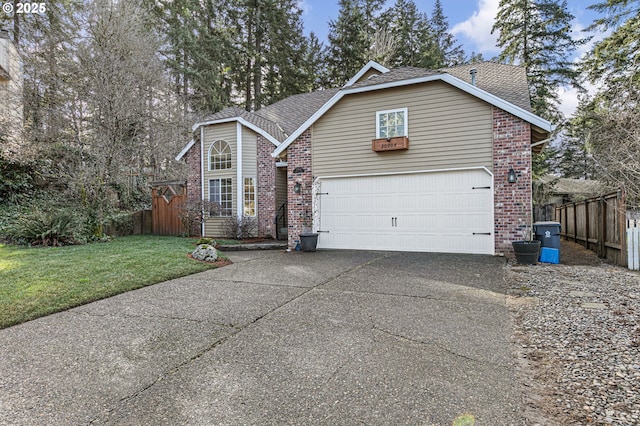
<point x="332" y="337"/>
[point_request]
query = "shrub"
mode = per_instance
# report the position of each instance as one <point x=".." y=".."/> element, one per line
<point x="118" y="224"/>
<point x="209" y="241"/>
<point x="244" y="228"/>
<point x="190" y="213"/>
<point x="45" y="228"/>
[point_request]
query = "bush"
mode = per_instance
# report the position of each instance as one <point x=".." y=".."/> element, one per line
<point x="46" y="228"/>
<point x="209" y="241"/>
<point x="118" y="224"/>
<point x="244" y="228"/>
<point x="16" y="179"/>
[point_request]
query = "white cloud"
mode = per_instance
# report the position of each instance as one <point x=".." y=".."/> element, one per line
<point x="305" y="7"/>
<point x="477" y="29"/>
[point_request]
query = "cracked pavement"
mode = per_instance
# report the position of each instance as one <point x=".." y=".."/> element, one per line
<point x="332" y="337"/>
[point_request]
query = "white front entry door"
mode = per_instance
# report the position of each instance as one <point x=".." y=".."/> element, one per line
<point x="448" y="212"/>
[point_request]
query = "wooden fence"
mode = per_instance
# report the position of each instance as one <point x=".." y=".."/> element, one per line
<point x="167" y="198"/>
<point x="136" y="223"/>
<point x="598" y="223"/>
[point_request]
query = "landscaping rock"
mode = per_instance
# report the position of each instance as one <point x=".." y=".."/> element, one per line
<point x="581" y="341"/>
<point x="205" y="252"/>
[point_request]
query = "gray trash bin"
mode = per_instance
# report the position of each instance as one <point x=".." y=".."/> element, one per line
<point x="548" y="233"/>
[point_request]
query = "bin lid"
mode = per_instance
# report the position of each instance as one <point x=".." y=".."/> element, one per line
<point x="546" y="223"/>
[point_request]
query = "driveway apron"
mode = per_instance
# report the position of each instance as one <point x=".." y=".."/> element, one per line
<point x="332" y="337"/>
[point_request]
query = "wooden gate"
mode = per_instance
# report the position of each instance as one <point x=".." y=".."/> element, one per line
<point x="168" y="197"/>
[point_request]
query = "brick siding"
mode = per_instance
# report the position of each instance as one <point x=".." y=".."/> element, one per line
<point x="194" y="180"/>
<point x="511" y="149"/>
<point x="266" y="188"/>
<point x="300" y="205"/>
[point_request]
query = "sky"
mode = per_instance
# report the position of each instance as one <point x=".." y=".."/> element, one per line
<point x="470" y="22"/>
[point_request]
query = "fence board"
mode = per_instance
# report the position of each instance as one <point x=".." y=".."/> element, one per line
<point x="598" y="224"/>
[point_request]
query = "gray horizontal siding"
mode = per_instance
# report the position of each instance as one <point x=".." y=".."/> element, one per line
<point x="447" y="129"/>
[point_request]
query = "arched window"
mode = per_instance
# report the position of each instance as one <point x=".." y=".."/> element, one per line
<point x="220" y="156"/>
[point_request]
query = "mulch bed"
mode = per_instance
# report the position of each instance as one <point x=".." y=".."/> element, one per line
<point x="218" y="263"/>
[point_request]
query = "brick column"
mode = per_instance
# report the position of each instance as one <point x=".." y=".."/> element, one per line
<point x="266" y="189"/>
<point x="193" y="159"/>
<point x="300" y="205"/>
<point x="511" y="149"/>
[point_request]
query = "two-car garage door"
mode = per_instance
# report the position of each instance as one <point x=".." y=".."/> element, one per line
<point x="448" y="212"/>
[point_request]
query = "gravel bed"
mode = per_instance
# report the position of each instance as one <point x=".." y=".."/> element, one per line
<point x="577" y="332"/>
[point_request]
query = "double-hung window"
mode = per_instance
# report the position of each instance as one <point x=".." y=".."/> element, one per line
<point x="392" y="123"/>
<point x="221" y="197"/>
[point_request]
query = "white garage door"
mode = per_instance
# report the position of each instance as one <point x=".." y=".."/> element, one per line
<point x="447" y="212"/>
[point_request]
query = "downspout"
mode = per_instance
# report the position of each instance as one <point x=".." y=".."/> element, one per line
<point x="202" y="228"/>
<point x="239" y="183"/>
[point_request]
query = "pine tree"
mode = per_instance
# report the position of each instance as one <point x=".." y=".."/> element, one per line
<point x="271" y="48"/>
<point x="350" y="38"/>
<point x="199" y="49"/>
<point x="615" y="59"/>
<point x="537" y="35"/>
<point x="348" y="43"/>
<point x="314" y="64"/>
<point x="445" y="52"/>
<point x="284" y="52"/>
<point x="412" y="34"/>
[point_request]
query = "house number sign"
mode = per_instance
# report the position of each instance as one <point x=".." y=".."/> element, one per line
<point x="391" y="144"/>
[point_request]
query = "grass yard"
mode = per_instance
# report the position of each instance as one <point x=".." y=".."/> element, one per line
<point x="39" y="281"/>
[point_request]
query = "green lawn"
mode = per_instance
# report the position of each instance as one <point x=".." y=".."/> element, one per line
<point x="38" y="281"/>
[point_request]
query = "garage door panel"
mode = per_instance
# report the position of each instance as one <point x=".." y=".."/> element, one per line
<point x="437" y="212"/>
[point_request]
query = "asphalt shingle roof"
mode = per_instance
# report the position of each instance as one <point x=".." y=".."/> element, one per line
<point x="396" y="74"/>
<point x="292" y="112"/>
<point x="284" y="117"/>
<point x="508" y="82"/>
<point x="235" y="112"/>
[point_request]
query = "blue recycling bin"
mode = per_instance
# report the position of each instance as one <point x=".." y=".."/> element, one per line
<point x="548" y="233"/>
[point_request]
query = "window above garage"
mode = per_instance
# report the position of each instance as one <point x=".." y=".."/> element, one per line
<point x="392" y="123"/>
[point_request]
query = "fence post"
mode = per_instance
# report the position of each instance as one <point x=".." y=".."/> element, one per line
<point x="602" y="239"/>
<point x="575" y="223"/>
<point x="621" y="218"/>
<point x="633" y="243"/>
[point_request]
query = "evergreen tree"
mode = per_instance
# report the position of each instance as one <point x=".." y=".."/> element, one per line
<point x="284" y="53"/>
<point x="271" y="47"/>
<point x="350" y="38"/>
<point x="537" y="35"/>
<point x="608" y="122"/>
<point x="348" y="43"/>
<point x="444" y="52"/>
<point x="615" y="59"/>
<point x="411" y="32"/>
<point x="198" y="47"/>
<point x="314" y="64"/>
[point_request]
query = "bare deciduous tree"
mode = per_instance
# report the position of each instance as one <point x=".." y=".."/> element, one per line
<point x="613" y="138"/>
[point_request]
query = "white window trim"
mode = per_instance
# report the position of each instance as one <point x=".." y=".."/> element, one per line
<point x="220" y="194"/>
<point x="255" y="196"/>
<point x="209" y="155"/>
<point x="387" y="111"/>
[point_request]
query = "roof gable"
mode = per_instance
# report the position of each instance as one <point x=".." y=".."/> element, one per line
<point x="504" y="86"/>
<point x="409" y="75"/>
<point x="370" y="68"/>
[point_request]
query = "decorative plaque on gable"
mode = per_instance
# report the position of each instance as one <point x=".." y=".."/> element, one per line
<point x="390" y="144"/>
